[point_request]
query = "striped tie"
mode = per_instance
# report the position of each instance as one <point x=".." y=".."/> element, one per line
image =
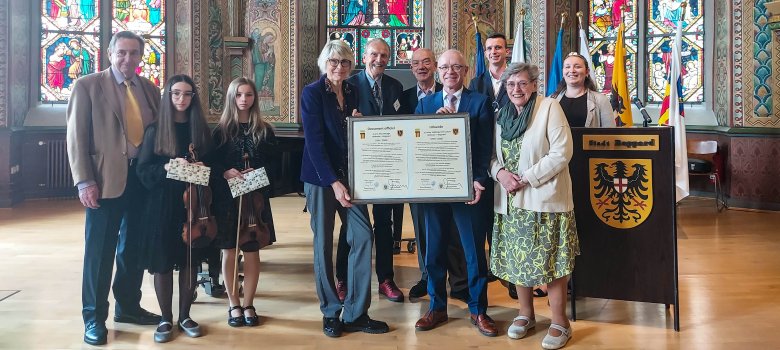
<point x="134" y="126"/>
<point x="451" y="102"/>
<point x="378" y="96"/>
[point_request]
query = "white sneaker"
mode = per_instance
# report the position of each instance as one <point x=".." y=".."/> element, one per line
<point x="517" y="332"/>
<point x="550" y="342"/>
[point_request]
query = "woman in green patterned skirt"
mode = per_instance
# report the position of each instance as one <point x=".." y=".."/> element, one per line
<point x="534" y="235"/>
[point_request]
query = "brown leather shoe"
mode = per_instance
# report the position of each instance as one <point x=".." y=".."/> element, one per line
<point x="391" y="291"/>
<point x="485" y="324"/>
<point x="431" y="320"/>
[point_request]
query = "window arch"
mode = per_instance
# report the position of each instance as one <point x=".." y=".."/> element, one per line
<point x="398" y="22"/>
<point x="75" y="32"/>
<point x="650" y="27"/>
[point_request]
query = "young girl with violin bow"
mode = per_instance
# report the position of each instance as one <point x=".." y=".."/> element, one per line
<point x="244" y="142"/>
<point x="180" y="133"/>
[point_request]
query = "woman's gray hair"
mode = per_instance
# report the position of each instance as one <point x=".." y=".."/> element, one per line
<point x="515" y="68"/>
<point x="334" y="49"/>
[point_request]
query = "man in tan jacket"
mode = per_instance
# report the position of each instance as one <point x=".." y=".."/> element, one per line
<point x="106" y="116"/>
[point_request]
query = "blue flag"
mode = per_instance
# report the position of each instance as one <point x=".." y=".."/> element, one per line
<point x="556" y="67"/>
<point x="479" y="59"/>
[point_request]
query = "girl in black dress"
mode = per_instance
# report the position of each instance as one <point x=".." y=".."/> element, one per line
<point x="180" y="123"/>
<point x="241" y="130"/>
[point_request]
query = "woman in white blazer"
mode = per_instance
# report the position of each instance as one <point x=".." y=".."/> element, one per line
<point x="534" y="235"/>
<point x="577" y="95"/>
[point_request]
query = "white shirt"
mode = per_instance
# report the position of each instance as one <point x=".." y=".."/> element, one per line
<point x="456" y="93"/>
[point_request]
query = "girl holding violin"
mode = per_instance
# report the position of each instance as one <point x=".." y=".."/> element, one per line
<point x="244" y="142"/>
<point x="180" y="132"/>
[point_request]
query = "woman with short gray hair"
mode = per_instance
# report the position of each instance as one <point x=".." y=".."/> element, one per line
<point x="534" y="233"/>
<point x="325" y="106"/>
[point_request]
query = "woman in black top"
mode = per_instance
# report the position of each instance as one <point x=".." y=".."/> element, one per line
<point x="179" y="124"/>
<point x="578" y="96"/>
<point x="241" y="130"/>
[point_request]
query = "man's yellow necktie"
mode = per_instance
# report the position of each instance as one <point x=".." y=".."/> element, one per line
<point x="134" y="126"/>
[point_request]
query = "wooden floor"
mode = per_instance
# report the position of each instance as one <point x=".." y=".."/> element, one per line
<point x="729" y="283"/>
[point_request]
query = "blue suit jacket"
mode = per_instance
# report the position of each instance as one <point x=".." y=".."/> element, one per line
<point x="484" y="85"/>
<point x="481" y="127"/>
<point x="325" y="144"/>
<point x="391" y="92"/>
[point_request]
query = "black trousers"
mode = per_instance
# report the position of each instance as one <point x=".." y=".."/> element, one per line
<point x="113" y="229"/>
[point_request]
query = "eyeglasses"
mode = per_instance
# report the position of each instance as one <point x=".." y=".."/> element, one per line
<point x="180" y="94"/>
<point x="424" y="62"/>
<point x="334" y="62"/>
<point x="510" y="85"/>
<point x="455" y="67"/>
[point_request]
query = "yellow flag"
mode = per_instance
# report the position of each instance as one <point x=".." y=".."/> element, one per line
<point x="621" y="101"/>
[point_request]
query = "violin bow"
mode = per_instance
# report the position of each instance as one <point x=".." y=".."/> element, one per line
<point x="193" y="157"/>
<point x="238" y="230"/>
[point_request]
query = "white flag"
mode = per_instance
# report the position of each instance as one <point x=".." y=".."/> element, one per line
<point x="586" y="53"/>
<point x="518" y="50"/>
<point x="676" y="118"/>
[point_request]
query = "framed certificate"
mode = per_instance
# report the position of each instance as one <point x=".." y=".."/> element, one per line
<point x="410" y="158"/>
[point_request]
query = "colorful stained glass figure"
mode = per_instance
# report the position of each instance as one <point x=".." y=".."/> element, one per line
<point x="70" y="45"/>
<point x="664" y="16"/>
<point x="147" y="18"/>
<point x="152" y="64"/>
<point x="399" y="22"/>
<point x="603" y="22"/>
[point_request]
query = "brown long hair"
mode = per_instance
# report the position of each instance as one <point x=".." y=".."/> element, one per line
<point x="589" y="84"/>
<point x="165" y="141"/>
<point x="228" y="122"/>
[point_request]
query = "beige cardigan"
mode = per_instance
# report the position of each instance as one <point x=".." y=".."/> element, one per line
<point x="543" y="161"/>
<point x="599" y="110"/>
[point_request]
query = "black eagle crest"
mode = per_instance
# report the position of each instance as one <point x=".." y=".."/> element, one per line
<point x="619" y="202"/>
<point x="618" y="105"/>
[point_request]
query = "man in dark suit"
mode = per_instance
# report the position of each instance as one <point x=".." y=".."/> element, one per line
<point x="423" y="68"/>
<point x="378" y="94"/>
<point x="489" y="83"/>
<point x="454" y="98"/>
<point x="106" y="116"/>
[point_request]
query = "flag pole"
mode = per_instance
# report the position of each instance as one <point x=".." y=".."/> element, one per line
<point x="579" y="19"/>
<point x="563" y="20"/>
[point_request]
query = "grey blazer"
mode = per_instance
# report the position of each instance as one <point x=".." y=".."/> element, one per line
<point x="599" y="110"/>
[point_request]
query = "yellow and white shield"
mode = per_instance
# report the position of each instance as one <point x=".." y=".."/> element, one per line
<point x="621" y="190"/>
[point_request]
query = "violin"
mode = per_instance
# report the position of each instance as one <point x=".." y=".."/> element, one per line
<point x="251" y="231"/>
<point x="201" y="227"/>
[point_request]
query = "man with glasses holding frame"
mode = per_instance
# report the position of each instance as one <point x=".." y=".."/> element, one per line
<point x="424" y="69"/>
<point x="468" y="217"/>
<point x="378" y="95"/>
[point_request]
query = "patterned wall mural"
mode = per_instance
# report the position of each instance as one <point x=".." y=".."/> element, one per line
<point x="4" y="31"/>
<point x="21" y="64"/>
<point x="272" y="29"/>
<point x="754" y="49"/>
<point x="722" y="63"/>
<point x="308" y="45"/>
<point x="216" y="90"/>
<point x="183" y="38"/>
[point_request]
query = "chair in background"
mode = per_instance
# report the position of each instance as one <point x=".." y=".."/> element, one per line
<point x="701" y="162"/>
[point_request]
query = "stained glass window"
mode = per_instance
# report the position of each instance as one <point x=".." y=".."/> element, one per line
<point x="145" y="17"/>
<point x="664" y="16"/>
<point x="73" y="36"/>
<point x="70" y="45"/>
<point x="604" y="19"/>
<point x="661" y="18"/>
<point x="398" y="22"/>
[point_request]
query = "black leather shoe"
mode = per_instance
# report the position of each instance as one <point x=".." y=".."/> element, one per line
<point x="251" y="321"/>
<point x="95" y="333"/>
<point x="462" y="295"/>
<point x="366" y="325"/>
<point x="396" y="247"/>
<point x="419" y="290"/>
<point x="236" y="321"/>
<point x="141" y="317"/>
<point x="510" y="288"/>
<point x="332" y="326"/>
